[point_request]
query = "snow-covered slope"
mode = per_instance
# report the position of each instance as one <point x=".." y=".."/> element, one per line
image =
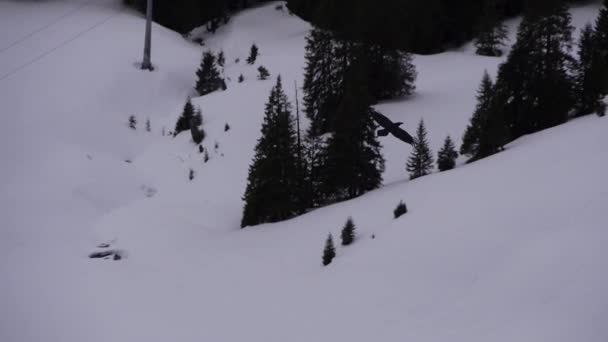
<point x="509" y="248"/>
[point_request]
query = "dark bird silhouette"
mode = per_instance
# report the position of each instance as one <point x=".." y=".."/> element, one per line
<point x="390" y="127"/>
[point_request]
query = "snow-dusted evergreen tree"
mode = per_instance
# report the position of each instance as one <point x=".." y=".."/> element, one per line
<point x="470" y="140"/>
<point x="148" y="126"/>
<point x="592" y="73"/>
<point x="183" y="122"/>
<point x="253" y="54"/>
<point x="536" y="82"/>
<point x="272" y="192"/>
<point x="263" y="73"/>
<point x="329" y="251"/>
<point x="352" y="163"/>
<point x="446" y="158"/>
<point x="421" y="161"/>
<point x="209" y="79"/>
<point x="241" y="78"/>
<point x="348" y="232"/>
<point x="492" y="32"/>
<point x="132" y="122"/>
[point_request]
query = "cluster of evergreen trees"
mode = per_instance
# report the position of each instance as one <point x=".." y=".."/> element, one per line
<point x="340" y="157"/>
<point x="540" y="85"/>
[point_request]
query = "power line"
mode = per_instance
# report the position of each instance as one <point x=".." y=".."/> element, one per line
<point x="40" y="29"/>
<point x="39" y="57"/>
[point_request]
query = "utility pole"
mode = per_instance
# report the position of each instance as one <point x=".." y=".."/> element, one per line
<point x="147" y="64"/>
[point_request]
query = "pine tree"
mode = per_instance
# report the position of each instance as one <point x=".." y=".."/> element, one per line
<point x="326" y="62"/>
<point x="601" y="34"/>
<point x="132" y="122"/>
<point x="253" y="54"/>
<point x="348" y="232"/>
<point x="209" y="79"/>
<point x="226" y="127"/>
<point x="421" y="161"/>
<point x="221" y="59"/>
<point x="400" y="210"/>
<point x="183" y="123"/>
<point x="329" y="252"/>
<point x="148" y="126"/>
<point x="591" y="73"/>
<point x="470" y="140"/>
<point x="535" y="81"/>
<point x="263" y="73"/>
<point x="352" y="163"/>
<point x="241" y="78"/>
<point x="191" y="174"/>
<point x="446" y="159"/>
<point x="392" y="73"/>
<point x="492" y="32"/>
<point x="272" y="192"/>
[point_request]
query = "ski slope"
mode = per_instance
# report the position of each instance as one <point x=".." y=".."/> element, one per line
<point x="511" y="248"/>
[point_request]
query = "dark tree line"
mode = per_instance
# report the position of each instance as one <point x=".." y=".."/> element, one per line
<point x="421" y="26"/>
<point x="184" y="15"/>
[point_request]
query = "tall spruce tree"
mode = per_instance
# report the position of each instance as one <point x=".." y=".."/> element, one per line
<point x="326" y="61"/>
<point x="591" y="73"/>
<point x="183" y="122"/>
<point x="352" y="161"/>
<point x="470" y="140"/>
<point x="272" y="192"/>
<point x="209" y="79"/>
<point x="421" y="161"/>
<point x="446" y="158"/>
<point x="601" y="33"/>
<point x="535" y="81"/>
<point x="492" y="32"/>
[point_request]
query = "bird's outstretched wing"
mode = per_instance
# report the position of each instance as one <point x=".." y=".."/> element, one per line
<point x="392" y="128"/>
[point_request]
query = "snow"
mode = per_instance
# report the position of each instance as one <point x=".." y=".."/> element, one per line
<point x="508" y="248"/>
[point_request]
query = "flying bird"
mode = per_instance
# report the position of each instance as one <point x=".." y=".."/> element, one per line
<point x="390" y="127"/>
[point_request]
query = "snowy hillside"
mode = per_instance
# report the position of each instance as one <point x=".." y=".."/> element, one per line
<point x="475" y="259"/>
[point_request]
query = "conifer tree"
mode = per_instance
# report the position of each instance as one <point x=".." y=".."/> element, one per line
<point x="148" y="126"/>
<point x="492" y="32"/>
<point x="400" y="210"/>
<point x="470" y="140"/>
<point x="272" y="192"/>
<point x="221" y="59"/>
<point x="132" y="122"/>
<point x="209" y="79"/>
<point x="241" y="78"/>
<point x="326" y="59"/>
<point x="421" y="161"/>
<point x="446" y="159"/>
<point x="183" y="122"/>
<point x="253" y="54"/>
<point x="329" y="252"/>
<point x="348" y="232"/>
<point x="392" y="73"/>
<point x="352" y="163"/>
<point x="601" y="34"/>
<point x="263" y="73"/>
<point x="536" y="81"/>
<point x="591" y="73"/>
